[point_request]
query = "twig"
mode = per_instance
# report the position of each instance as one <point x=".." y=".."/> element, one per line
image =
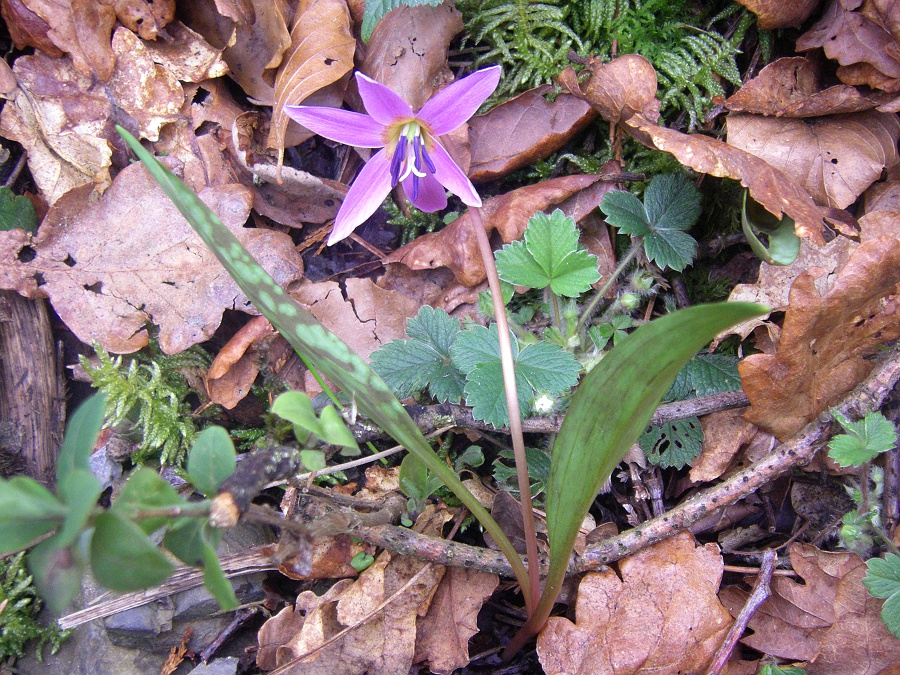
<point x="761" y="591"/>
<point x="241" y="618"/>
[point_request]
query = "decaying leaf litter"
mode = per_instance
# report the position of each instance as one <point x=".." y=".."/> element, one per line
<point x="812" y="137"/>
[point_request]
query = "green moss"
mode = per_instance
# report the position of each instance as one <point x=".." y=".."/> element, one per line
<point x="18" y="617"/>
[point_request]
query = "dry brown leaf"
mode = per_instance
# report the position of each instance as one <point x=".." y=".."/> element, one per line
<point x="147" y="18"/>
<point x="625" y="91"/>
<point x="321" y="53"/>
<point x="62" y="119"/>
<point x="833" y="158"/>
<point x="408" y="51"/>
<point x="329" y="559"/>
<point x="661" y="616"/>
<point x="791" y="87"/>
<point x="186" y="55"/>
<point x="884" y="196"/>
<point x="825" y="340"/>
<point x="455" y="246"/>
<point x="780" y="14"/>
<point x="27" y="29"/>
<point x="82" y="29"/>
<point x="521" y="131"/>
<point x="829" y="621"/>
<point x="236" y="366"/>
<point x="773" y="286"/>
<point x="384" y="643"/>
<point x="725" y="433"/>
<point x="111" y="267"/>
<point x="851" y="38"/>
<point x="442" y="635"/>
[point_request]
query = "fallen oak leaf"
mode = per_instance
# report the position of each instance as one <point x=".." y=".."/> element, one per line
<point x="661" y="616"/>
<point x="779" y="14"/>
<point x="109" y="268"/>
<point x="825" y="340"/>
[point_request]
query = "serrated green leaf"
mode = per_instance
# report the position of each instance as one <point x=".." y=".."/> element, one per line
<point x="16" y="211"/>
<point x="145" y="489"/>
<point x="27" y="511"/>
<point x="864" y="441"/>
<point x="548" y="369"/>
<point x="335" y="431"/>
<point x="479" y="345"/>
<point x="670" y="248"/>
<point x="672" y="202"/>
<point x="487" y="397"/>
<point x="624" y="211"/>
<point x="883" y="581"/>
<point x="80" y="490"/>
<point x="705" y="375"/>
<point x="674" y="444"/>
<point x="538" y="462"/>
<point x="424" y="360"/>
<point x="549" y="255"/>
<point x="81" y="435"/>
<point x="376" y="9"/>
<point x="211" y="460"/>
<point x="123" y="558"/>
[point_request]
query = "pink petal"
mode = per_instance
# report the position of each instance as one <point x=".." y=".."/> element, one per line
<point x="456" y="103"/>
<point x="343" y="126"/>
<point x="381" y="103"/>
<point x="432" y="196"/>
<point x="366" y="194"/>
<point x="451" y="176"/>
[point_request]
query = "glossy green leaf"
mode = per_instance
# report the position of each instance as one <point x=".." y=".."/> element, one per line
<point x="27" y="511"/>
<point x="81" y="436"/>
<point x="145" y="489"/>
<point x="335" y="431"/>
<point x="783" y="244"/>
<point x="216" y="582"/>
<point x="123" y="558"/>
<point x="212" y="459"/>
<point x="80" y="490"/>
<point x="194" y="542"/>
<point x="297" y="408"/>
<point x="315" y="344"/>
<point x="610" y="410"/>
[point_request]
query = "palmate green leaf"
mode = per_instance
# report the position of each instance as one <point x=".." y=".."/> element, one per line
<point x="549" y="255"/>
<point x="487" y="397"/>
<point x="864" y="441"/>
<point x="674" y="444"/>
<point x="883" y="581"/>
<point x="123" y="558"/>
<point x="424" y="360"/>
<point x="671" y="205"/>
<point x="211" y="460"/>
<point x="316" y="345"/>
<point x="376" y="9"/>
<point x="607" y="414"/>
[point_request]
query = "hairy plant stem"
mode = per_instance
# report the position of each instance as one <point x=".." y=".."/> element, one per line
<point x="636" y="247"/>
<point x="515" y="416"/>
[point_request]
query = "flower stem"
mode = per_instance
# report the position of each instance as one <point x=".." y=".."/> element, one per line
<point x="636" y="247"/>
<point x="515" y="417"/>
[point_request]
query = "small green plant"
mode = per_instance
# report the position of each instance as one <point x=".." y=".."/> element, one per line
<point x="883" y="581"/>
<point x="150" y="392"/>
<point x="864" y="441"/>
<point x="775" y="669"/>
<point x="297" y="408"/>
<point x="19" y="607"/>
<point x="671" y="205"/>
<point x="16" y="211"/>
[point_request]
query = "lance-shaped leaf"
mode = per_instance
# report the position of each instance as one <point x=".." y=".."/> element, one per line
<point x="608" y="412"/>
<point x="315" y="343"/>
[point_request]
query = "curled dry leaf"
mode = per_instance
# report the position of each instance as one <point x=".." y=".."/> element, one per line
<point x="321" y="53"/>
<point x="408" y="50"/>
<point x="661" y="616"/>
<point x="624" y="91"/>
<point x="826" y="339"/>
<point x="147" y="18"/>
<point x="791" y="87"/>
<point x="253" y="35"/>
<point x="455" y="246"/>
<point x="82" y="29"/>
<point x="726" y="438"/>
<point x="27" y="29"/>
<point x="830" y="621"/>
<point x="62" y="119"/>
<point x="384" y="641"/>
<point x="859" y="38"/>
<point x="236" y="366"/>
<point x="521" y="131"/>
<point x="833" y="158"/>
<point x="442" y="635"/>
<point x="109" y="267"/>
<point x="779" y="14"/>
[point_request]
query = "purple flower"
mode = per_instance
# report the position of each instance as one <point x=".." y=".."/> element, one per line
<point x="410" y="152"/>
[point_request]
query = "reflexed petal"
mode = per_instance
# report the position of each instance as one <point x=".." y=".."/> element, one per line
<point x="366" y="194"/>
<point x="451" y="176"/>
<point x="456" y="103"/>
<point x="432" y="196"/>
<point x="336" y="124"/>
<point x="381" y="102"/>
